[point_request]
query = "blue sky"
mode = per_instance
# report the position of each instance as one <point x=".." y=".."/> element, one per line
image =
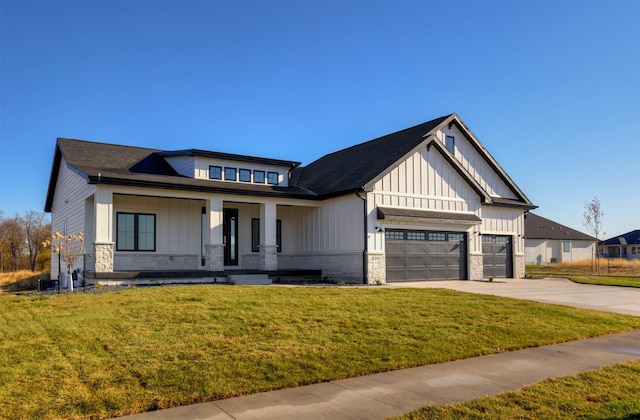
<point x="551" y="88"/>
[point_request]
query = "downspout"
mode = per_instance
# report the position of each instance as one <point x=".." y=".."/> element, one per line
<point x="365" y="238"/>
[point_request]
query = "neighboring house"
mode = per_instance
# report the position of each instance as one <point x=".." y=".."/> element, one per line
<point x="428" y="202"/>
<point x="623" y="246"/>
<point x="550" y="242"/>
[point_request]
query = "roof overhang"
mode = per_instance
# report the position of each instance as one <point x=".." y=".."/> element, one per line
<point x="507" y="202"/>
<point x="428" y="216"/>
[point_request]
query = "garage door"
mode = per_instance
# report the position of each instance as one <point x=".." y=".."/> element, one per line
<point x="413" y="255"/>
<point x="497" y="256"/>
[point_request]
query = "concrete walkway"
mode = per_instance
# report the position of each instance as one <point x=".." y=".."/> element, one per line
<point x="380" y="395"/>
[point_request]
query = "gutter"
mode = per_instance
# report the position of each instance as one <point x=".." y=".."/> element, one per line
<point x="365" y="229"/>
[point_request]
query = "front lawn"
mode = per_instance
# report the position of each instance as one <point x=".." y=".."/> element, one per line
<point x="612" y="392"/>
<point x="97" y="356"/>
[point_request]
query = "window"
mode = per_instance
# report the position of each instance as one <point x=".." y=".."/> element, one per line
<point x="255" y="235"/>
<point x="566" y="246"/>
<point x="456" y="237"/>
<point x="230" y="174"/>
<point x="272" y="178"/>
<point x="258" y="177"/>
<point x="394" y="235"/>
<point x="245" y="175"/>
<point x="451" y="143"/>
<point x="215" y="172"/>
<point x="136" y="232"/>
<point x="416" y="236"/>
<point x="437" y="236"/>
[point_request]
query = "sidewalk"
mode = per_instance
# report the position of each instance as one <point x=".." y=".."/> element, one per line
<point x="380" y="395"/>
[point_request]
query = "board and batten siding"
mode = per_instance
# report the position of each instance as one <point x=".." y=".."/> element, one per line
<point x="68" y="207"/>
<point x="476" y="165"/>
<point x="424" y="181"/>
<point x="335" y="226"/>
<point x="178" y="233"/>
<point x="504" y="221"/>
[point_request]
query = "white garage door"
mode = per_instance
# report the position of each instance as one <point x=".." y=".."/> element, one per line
<point x="414" y="255"/>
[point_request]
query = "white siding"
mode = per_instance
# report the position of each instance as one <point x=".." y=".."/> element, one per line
<point x="541" y="251"/>
<point x="425" y="181"/>
<point x="202" y="169"/>
<point x="503" y="221"/>
<point x="335" y="226"/>
<point x="178" y="233"/>
<point x="475" y="164"/>
<point x="68" y="207"/>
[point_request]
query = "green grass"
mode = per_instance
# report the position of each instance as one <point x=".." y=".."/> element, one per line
<point x="97" y="356"/>
<point x="612" y="392"/>
<point x="607" y="281"/>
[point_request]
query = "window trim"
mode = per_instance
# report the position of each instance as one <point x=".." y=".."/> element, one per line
<point x="566" y="246"/>
<point x="246" y="172"/>
<point x="450" y="146"/>
<point x="263" y="175"/>
<point x="215" y="167"/>
<point x="235" y="173"/>
<point x="255" y="235"/>
<point x="269" y="174"/>
<point x="136" y="232"/>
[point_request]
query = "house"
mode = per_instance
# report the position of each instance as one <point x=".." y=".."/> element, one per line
<point x="427" y="202"/>
<point x="550" y="242"/>
<point x="622" y="246"/>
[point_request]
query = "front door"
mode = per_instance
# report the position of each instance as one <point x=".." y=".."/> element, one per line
<point x="230" y="236"/>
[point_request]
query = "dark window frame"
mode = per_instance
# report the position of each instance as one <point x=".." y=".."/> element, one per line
<point x="247" y="174"/>
<point x="218" y="168"/>
<point x="136" y="232"/>
<point x="450" y="143"/>
<point x="269" y="175"/>
<point x="259" y="179"/>
<point x="235" y="173"/>
<point x="255" y="235"/>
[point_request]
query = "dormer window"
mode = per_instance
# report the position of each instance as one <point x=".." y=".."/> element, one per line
<point x="215" y="172"/>
<point x="245" y="175"/>
<point x="272" y="178"/>
<point x="258" y="177"/>
<point x="451" y="144"/>
<point x="230" y="174"/>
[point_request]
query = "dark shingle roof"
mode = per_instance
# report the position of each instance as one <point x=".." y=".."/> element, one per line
<point x="136" y="166"/>
<point x="536" y="227"/>
<point x="337" y="173"/>
<point x="351" y="168"/>
<point x="631" y="238"/>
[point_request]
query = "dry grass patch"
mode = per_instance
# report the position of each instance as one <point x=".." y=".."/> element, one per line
<point x="98" y="356"/>
<point x="608" y="267"/>
<point x="19" y="280"/>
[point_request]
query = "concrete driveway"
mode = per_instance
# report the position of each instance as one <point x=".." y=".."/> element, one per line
<point x="624" y="300"/>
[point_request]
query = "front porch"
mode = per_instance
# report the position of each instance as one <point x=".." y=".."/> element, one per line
<point x="162" y="277"/>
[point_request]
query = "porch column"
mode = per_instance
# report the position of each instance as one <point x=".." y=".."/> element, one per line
<point x="214" y="247"/>
<point x="103" y="246"/>
<point x="268" y="243"/>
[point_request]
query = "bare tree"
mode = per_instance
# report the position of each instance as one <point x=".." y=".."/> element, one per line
<point x="36" y="231"/>
<point x="12" y="239"/>
<point x="593" y="215"/>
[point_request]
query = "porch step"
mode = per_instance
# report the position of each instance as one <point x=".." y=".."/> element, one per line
<point x="249" y="279"/>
